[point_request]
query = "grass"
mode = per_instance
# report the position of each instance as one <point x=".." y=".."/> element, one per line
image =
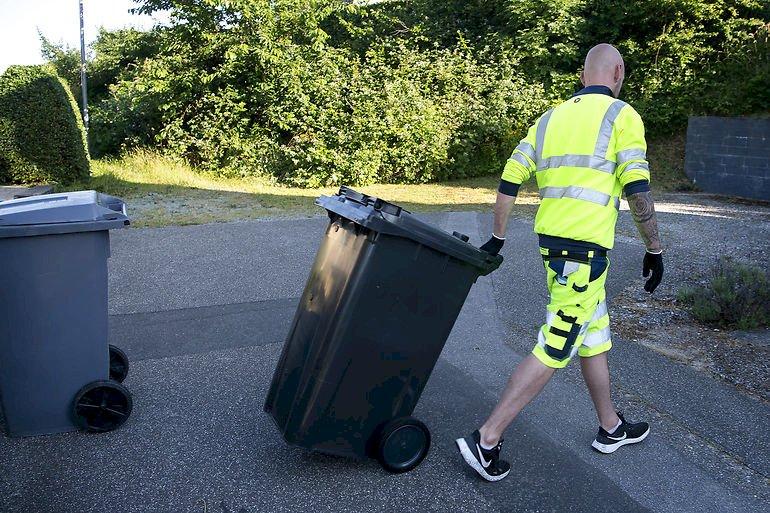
<point x="163" y="191"/>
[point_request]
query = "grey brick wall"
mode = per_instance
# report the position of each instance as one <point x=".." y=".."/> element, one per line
<point x="729" y="156"/>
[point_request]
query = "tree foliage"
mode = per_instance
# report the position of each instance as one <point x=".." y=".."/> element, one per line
<point x="318" y="92"/>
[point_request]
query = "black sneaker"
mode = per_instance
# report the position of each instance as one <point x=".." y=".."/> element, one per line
<point x="486" y="462"/>
<point x="626" y="433"/>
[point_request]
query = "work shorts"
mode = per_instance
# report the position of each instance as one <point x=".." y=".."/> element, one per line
<point x="577" y="321"/>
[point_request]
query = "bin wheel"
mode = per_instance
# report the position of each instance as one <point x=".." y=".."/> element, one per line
<point x="102" y="406"/>
<point x="402" y="444"/>
<point x="118" y="364"/>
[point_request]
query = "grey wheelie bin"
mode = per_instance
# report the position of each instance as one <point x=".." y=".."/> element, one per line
<point x="382" y="296"/>
<point x="57" y="372"/>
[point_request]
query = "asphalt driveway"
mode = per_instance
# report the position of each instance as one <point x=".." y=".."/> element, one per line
<point x="202" y="312"/>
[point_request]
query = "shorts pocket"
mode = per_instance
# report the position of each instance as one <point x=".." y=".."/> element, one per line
<point x="598" y="267"/>
<point x="563" y="267"/>
<point x="570" y="274"/>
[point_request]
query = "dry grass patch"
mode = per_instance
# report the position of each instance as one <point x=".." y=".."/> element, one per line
<point x="163" y="191"/>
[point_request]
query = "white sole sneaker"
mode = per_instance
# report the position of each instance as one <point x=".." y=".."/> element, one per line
<point x="471" y="460"/>
<point x="610" y="448"/>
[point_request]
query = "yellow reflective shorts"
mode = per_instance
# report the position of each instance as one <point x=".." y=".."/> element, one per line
<point x="577" y="320"/>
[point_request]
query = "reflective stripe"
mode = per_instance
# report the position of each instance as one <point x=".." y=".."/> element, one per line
<point x="527" y="150"/>
<point x="541" y="337"/>
<point x="628" y="155"/>
<point x="580" y="193"/>
<point x="598" y="337"/>
<point x="570" y="267"/>
<point x="521" y="159"/>
<point x="589" y="161"/>
<point x="601" y="311"/>
<point x="644" y="166"/>
<point x="605" y="129"/>
<point x="541" y="341"/>
<point x="540" y="135"/>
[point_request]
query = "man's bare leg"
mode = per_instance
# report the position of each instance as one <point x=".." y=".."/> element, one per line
<point x="596" y="373"/>
<point x="527" y="380"/>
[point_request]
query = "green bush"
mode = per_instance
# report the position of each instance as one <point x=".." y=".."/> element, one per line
<point x="41" y="133"/>
<point x="405" y="116"/>
<point x="736" y="295"/>
<point x="115" y="122"/>
<point x="273" y="97"/>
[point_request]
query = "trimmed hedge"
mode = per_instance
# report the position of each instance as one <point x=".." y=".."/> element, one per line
<point x="42" y="138"/>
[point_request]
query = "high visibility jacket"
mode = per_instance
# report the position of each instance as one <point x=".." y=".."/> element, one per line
<point x="583" y="152"/>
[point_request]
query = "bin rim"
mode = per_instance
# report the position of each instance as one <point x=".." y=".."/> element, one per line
<point x="68" y="212"/>
<point x="388" y="218"/>
<point x="35" y="230"/>
<point x="73" y="207"/>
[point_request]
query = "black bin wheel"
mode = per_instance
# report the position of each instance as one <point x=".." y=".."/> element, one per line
<point x="102" y="406"/>
<point x="118" y="364"/>
<point x="402" y="444"/>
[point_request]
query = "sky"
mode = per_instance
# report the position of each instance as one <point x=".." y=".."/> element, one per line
<point x="59" y="21"/>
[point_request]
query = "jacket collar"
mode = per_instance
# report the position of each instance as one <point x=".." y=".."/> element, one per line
<point x="595" y="89"/>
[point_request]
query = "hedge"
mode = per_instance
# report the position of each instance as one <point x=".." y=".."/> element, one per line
<point x="42" y="138"/>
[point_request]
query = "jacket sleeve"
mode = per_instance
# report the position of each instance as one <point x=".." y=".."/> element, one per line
<point x="521" y="163"/>
<point x="630" y="148"/>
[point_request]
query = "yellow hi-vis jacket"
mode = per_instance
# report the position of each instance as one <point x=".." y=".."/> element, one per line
<point x="583" y="152"/>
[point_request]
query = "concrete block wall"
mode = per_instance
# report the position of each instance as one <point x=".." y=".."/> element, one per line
<point x="729" y="156"/>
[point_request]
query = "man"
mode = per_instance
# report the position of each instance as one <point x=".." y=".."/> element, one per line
<point x="584" y="153"/>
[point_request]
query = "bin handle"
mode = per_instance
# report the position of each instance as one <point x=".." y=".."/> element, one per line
<point x="352" y="195"/>
<point x="378" y="204"/>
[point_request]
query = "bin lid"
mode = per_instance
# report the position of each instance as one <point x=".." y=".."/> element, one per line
<point x="61" y="213"/>
<point x="384" y="217"/>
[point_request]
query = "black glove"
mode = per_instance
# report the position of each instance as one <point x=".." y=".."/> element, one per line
<point x="653" y="263"/>
<point x="493" y="245"/>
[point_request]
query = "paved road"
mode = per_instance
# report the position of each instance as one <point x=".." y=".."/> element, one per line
<point x="202" y="312"/>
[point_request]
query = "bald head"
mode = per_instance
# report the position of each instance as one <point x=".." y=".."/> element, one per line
<point x="604" y="66"/>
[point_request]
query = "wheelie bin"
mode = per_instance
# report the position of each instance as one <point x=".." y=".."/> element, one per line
<point x="57" y="372"/>
<point x="382" y="297"/>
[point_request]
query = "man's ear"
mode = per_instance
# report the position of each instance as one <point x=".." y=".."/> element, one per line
<point x="583" y="78"/>
<point x="618" y="73"/>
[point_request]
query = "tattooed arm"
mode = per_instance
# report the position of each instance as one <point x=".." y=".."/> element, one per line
<point x="643" y="211"/>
